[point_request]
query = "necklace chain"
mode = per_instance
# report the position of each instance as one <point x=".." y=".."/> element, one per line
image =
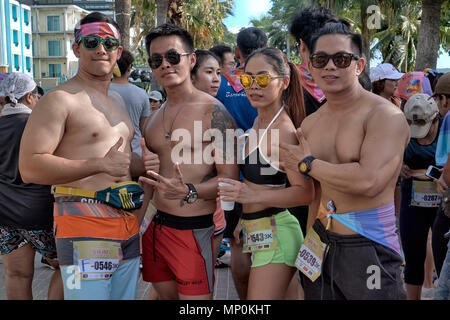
<point x="168" y="134"/>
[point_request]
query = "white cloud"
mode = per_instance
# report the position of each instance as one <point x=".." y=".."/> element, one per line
<point x="236" y="29"/>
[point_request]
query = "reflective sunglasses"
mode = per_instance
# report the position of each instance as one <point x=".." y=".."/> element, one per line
<point x="341" y="59"/>
<point x="172" y="56"/>
<point x="92" y="43"/>
<point x="262" y="80"/>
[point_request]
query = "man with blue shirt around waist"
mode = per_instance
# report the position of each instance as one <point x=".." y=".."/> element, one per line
<point x="353" y="148"/>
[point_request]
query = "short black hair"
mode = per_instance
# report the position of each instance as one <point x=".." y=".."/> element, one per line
<point x="340" y="27"/>
<point x="364" y="80"/>
<point x="307" y="21"/>
<point x="99" y="17"/>
<point x="169" y="29"/>
<point x="126" y="60"/>
<point x="250" y="39"/>
<point x="40" y="91"/>
<point x="202" y="55"/>
<point x="220" y="51"/>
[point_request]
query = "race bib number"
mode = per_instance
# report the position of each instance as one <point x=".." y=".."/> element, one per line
<point x="310" y="257"/>
<point x="259" y="234"/>
<point x="424" y="194"/>
<point x="97" y="260"/>
<point x="149" y="214"/>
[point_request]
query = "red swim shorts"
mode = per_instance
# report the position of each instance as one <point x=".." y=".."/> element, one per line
<point x="180" y="249"/>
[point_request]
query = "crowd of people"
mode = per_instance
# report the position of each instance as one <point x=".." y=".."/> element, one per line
<point x="328" y="182"/>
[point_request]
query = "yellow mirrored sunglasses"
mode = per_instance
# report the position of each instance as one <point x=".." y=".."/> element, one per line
<point x="262" y="80"/>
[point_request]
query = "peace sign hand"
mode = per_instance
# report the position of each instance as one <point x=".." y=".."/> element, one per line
<point x="169" y="188"/>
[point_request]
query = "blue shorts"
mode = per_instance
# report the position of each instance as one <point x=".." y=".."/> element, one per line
<point x="122" y="285"/>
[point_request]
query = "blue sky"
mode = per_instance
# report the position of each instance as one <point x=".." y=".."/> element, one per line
<point x="245" y="10"/>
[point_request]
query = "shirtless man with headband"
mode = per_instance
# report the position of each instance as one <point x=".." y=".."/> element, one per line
<point x="353" y="146"/>
<point x="177" y="246"/>
<point x="78" y="140"/>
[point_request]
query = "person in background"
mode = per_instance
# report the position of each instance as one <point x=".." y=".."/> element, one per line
<point x="225" y="54"/>
<point x="156" y="100"/>
<point x="419" y="198"/>
<point x="135" y="99"/>
<point x="384" y="78"/>
<point x="305" y="23"/>
<point x="411" y="83"/>
<point x="26" y="209"/>
<point x="442" y="222"/>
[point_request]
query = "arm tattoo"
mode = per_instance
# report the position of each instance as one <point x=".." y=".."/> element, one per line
<point x="209" y="176"/>
<point x="221" y="121"/>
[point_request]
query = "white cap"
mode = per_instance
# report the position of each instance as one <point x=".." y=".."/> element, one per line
<point x="384" y="71"/>
<point x="420" y="106"/>
<point x="155" y="95"/>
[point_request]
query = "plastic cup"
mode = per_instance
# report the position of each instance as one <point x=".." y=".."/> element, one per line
<point x="226" y="205"/>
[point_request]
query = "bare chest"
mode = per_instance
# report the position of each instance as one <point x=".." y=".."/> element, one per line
<point x="92" y="124"/>
<point x="337" y="140"/>
<point x="178" y="135"/>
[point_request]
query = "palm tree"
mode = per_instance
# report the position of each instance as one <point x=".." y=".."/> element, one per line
<point x="203" y="19"/>
<point x="397" y="43"/>
<point x="428" y="43"/>
<point x="142" y="20"/>
<point x="123" y="9"/>
<point x="162" y="6"/>
<point x="357" y="11"/>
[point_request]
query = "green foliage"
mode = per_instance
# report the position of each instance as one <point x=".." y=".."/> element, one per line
<point x="203" y="19"/>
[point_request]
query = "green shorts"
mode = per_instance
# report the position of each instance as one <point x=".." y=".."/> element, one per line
<point x="290" y="239"/>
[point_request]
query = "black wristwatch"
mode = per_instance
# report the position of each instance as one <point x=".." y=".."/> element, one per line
<point x="304" y="166"/>
<point x="192" y="196"/>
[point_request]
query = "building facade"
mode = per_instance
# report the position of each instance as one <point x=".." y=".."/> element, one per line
<point x="53" y="36"/>
<point x="103" y="6"/>
<point x="16" y="53"/>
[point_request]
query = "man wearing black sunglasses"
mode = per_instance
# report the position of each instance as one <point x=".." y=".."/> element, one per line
<point x="353" y="148"/>
<point x="177" y="246"/>
<point x="79" y="140"/>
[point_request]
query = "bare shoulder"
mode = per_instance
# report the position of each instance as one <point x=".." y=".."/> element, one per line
<point x="56" y="102"/>
<point x="383" y="110"/>
<point x="310" y="121"/>
<point x="385" y="118"/>
<point x="287" y="130"/>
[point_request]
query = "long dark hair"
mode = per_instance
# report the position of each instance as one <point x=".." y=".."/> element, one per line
<point x="293" y="95"/>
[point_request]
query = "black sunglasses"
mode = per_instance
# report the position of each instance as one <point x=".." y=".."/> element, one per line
<point x="172" y="56"/>
<point x="341" y="59"/>
<point x="92" y="42"/>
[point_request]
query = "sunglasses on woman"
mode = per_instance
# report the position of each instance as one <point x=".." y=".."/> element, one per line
<point x="172" y="56"/>
<point x="262" y="80"/>
<point x="92" y="42"/>
<point x="341" y="59"/>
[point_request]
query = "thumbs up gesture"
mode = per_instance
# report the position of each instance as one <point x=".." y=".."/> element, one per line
<point x="150" y="159"/>
<point x="117" y="163"/>
<point x="169" y="188"/>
